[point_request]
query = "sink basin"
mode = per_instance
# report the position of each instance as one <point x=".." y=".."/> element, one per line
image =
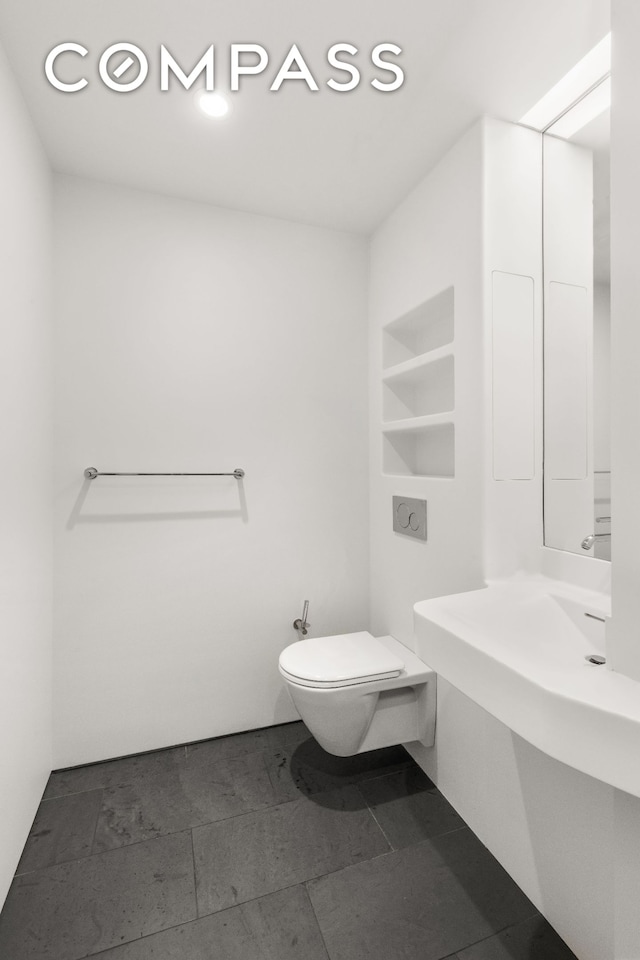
<point x="520" y="649"/>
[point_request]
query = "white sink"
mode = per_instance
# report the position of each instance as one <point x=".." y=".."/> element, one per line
<point x="518" y="648"/>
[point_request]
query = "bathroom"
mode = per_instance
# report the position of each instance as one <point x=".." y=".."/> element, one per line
<point x="174" y="304"/>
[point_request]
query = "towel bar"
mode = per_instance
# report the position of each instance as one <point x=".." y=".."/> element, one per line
<point x="91" y="473"/>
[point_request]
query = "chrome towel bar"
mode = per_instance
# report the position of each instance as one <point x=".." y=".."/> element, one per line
<point x="91" y="473"/>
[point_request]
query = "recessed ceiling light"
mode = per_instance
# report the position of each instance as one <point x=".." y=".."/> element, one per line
<point x="587" y="74"/>
<point x="213" y="104"/>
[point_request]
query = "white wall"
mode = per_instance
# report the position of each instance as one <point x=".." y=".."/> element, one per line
<point x="623" y="636"/>
<point x="432" y="241"/>
<point x="623" y="642"/>
<point x="25" y="505"/>
<point x="191" y="338"/>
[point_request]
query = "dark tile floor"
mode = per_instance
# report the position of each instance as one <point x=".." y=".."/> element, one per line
<point x="261" y="846"/>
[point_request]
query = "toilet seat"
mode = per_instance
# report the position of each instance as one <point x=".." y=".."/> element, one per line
<point x="339" y="661"/>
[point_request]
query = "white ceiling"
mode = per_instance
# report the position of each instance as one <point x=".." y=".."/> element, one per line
<point x="338" y="160"/>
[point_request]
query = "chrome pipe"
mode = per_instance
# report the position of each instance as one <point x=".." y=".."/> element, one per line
<point x="589" y="541"/>
<point x="301" y="623"/>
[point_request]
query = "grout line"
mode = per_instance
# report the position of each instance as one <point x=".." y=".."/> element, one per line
<point x="261" y="896"/>
<point x="98" y="815"/>
<point x="155" y="933"/>
<point x="447" y="833"/>
<point x="57" y="863"/>
<point x="195" y="879"/>
<point x="375" y="819"/>
<point x="74" y="793"/>
<point x="313" y="909"/>
<point x="349" y="866"/>
<point x="297" y="883"/>
<point x="496" y="933"/>
<point x="398" y="850"/>
<point x="439" y="836"/>
<point x="291" y="886"/>
<point x="102" y="853"/>
<point x="434" y="836"/>
<point x="204" y="916"/>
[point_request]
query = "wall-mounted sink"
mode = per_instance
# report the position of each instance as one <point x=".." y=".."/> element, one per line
<point x="521" y="649"/>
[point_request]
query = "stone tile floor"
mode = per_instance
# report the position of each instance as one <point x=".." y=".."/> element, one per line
<point x="261" y="846"/>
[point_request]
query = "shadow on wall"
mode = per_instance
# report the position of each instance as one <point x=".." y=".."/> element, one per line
<point x="78" y="516"/>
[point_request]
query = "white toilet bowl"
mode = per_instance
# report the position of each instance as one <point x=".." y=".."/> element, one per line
<point x="356" y="692"/>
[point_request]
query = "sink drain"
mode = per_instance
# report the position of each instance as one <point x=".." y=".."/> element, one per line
<point x="595" y="658"/>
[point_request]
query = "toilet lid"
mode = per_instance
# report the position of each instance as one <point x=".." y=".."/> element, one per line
<point x="340" y="660"/>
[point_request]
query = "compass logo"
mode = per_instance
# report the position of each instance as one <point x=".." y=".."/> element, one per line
<point x="124" y="67"/>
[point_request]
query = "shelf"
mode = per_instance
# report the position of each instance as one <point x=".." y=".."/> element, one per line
<point x="419" y="424"/>
<point x="427" y="327"/>
<point x="420" y="447"/>
<point x="419" y="387"/>
<point x="420" y="363"/>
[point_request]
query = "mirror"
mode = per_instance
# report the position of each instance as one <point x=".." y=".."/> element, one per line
<point x="576" y="241"/>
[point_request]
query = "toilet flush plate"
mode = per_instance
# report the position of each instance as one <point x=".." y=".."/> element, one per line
<point x="410" y="517"/>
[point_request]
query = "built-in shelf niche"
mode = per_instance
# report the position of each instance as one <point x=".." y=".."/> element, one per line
<point x="426" y="327"/>
<point x="426" y="450"/>
<point x="420" y="389"/>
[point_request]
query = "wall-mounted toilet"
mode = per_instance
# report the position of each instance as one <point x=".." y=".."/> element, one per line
<point x="356" y="692"/>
